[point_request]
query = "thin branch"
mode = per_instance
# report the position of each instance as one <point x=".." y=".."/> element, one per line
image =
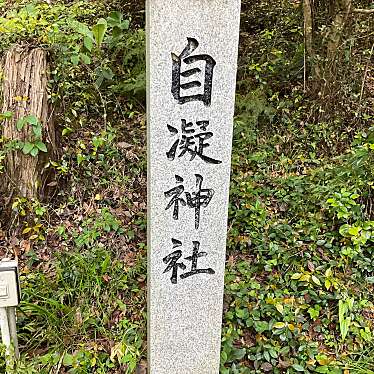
<point x="308" y="37"/>
<point x="365" y="75"/>
<point x="363" y="11"/>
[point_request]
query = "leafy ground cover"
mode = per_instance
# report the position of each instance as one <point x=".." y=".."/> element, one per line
<point x="299" y="280"/>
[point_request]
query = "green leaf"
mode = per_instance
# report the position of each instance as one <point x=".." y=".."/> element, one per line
<point x="6" y="115"/>
<point x="108" y="73"/>
<point x="20" y="124"/>
<point x="343" y="230"/>
<point x="344" y="326"/>
<point x="223" y="356"/>
<point x="99" y="31"/>
<point x="279" y="308"/>
<point x="66" y="131"/>
<point x="115" y="18"/>
<point x="26" y="230"/>
<point x="316" y="280"/>
<point x="27" y="148"/>
<point x="86" y="59"/>
<point x="68" y="359"/>
<point x="298" y="367"/>
<point x="117" y="32"/>
<point x="37" y="130"/>
<point x="342" y="309"/>
<point x="31" y="10"/>
<point x="339" y="371"/>
<point x="267" y="356"/>
<point x="81" y="28"/>
<point x="75" y="59"/>
<point x="354" y="230"/>
<point x="350" y="302"/>
<point x="296" y="276"/>
<point x="125" y="24"/>
<point x="34" y="152"/>
<point x="99" y="81"/>
<point x="41" y="146"/>
<point x="305" y="278"/>
<point x="323" y="369"/>
<point x="273" y="353"/>
<point x="238" y="353"/>
<point x="32" y="120"/>
<point x="88" y="43"/>
<point x="279" y="325"/>
<point x="261" y="326"/>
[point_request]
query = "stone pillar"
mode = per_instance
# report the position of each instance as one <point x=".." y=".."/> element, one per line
<point x="192" y="61"/>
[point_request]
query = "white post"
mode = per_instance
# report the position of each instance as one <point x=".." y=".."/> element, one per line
<point x="9" y="298"/>
<point x="5" y="331"/>
<point x="13" y="329"/>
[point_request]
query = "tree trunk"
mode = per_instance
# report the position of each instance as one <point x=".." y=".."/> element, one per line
<point x="342" y="12"/>
<point x="25" y="94"/>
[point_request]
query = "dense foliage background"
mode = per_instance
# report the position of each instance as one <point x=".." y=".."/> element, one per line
<point x="299" y="282"/>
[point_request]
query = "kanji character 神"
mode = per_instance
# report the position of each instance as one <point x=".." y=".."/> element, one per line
<point x="196" y="200"/>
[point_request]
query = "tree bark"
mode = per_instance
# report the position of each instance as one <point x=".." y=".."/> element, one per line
<point x="24" y="94"/>
<point x="342" y="12"/>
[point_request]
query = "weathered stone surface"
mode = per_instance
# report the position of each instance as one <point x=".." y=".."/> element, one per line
<point x="189" y="150"/>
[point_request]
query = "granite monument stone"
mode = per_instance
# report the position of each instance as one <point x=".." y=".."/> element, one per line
<point x="192" y="49"/>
